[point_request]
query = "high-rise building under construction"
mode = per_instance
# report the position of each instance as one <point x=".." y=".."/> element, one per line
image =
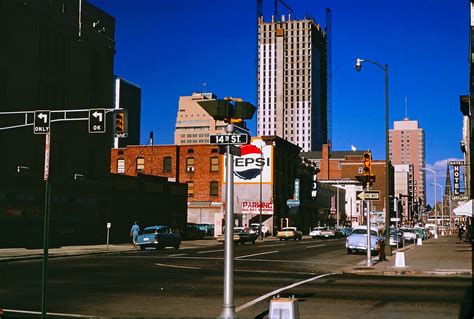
<point x="292" y="81"/>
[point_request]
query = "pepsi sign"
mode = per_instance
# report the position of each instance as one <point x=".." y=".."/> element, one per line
<point x="254" y="163"/>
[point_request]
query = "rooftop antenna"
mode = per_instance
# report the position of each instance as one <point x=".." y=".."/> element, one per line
<point x="204" y="87"/>
<point x="406" y="108"/>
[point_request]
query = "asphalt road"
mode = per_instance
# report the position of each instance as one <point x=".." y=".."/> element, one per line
<point x="189" y="283"/>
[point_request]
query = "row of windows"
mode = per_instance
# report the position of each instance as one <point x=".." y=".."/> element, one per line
<point x="193" y="141"/>
<point x="167" y="164"/>
<point x="213" y="189"/>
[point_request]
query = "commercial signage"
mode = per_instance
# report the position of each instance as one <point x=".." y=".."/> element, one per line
<point x="457" y="192"/>
<point x="254" y="166"/>
<point x="254" y="208"/>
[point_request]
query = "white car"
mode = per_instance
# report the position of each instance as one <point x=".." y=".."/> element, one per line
<point x="409" y="234"/>
<point x="322" y="232"/>
<point x="357" y="240"/>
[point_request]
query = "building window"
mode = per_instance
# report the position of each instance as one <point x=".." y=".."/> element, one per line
<point x="214" y="164"/>
<point x="214" y="189"/>
<point x="339" y="165"/>
<point x="167" y="164"/>
<point x="121" y="166"/>
<point x="190" y="189"/>
<point x="190" y="164"/>
<point x="140" y="164"/>
<point x="190" y="150"/>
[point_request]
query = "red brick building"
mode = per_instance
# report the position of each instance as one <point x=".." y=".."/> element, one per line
<point x="199" y="166"/>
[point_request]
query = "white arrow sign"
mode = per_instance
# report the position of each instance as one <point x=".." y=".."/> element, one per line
<point x="43" y="117"/>
<point x="368" y="195"/>
<point x="97" y="115"/>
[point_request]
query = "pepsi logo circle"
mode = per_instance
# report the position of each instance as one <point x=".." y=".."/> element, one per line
<point x="251" y="162"/>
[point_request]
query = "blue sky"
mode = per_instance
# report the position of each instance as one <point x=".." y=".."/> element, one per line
<point x="170" y="48"/>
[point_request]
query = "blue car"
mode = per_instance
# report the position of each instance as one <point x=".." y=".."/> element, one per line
<point x="158" y="237"/>
<point x="357" y="240"/>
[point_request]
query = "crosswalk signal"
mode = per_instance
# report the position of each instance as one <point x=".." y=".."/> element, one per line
<point x="121" y="124"/>
<point x="367" y="163"/>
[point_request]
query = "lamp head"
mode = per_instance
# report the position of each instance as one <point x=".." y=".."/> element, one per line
<point x="358" y="64"/>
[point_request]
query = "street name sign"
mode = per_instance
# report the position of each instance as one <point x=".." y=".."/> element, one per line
<point x="234" y="150"/>
<point x="226" y="139"/>
<point x="293" y="202"/>
<point x="41" y="122"/>
<point x="368" y="195"/>
<point x="97" y="121"/>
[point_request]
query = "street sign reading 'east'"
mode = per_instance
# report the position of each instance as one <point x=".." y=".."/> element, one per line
<point x="97" y="121"/>
<point x="41" y="122"/>
<point x="368" y="195"/>
<point x="225" y="139"/>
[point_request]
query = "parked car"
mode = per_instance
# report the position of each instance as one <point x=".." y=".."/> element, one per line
<point x="289" y="233"/>
<point x="322" y="232"/>
<point x="208" y="229"/>
<point x="357" y="240"/>
<point x="421" y="233"/>
<point x="256" y="227"/>
<point x="344" y="231"/>
<point x="396" y="238"/>
<point x="192" y="232"/>
<point x="409" y="234"/>
<point x="242" y="235"/>
<point x="158" y="237"/>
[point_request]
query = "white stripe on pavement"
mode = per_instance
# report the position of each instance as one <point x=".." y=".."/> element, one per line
<point x="177" y="266"/>
<point x="209" y="251"/>
<point x="176" y="255"/>
<point x="253" y="302"/>
<point x="265" y="253"/>
<point x="48" y="313"/>
<point x="316" y="246"/>
<point x="276" y="245"/>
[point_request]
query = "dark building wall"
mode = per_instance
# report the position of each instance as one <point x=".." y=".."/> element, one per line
<point x="130" y="96"/>
<point x="44" y="64"/>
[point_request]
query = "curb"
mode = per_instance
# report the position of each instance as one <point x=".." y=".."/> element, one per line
<point x="370" y="271"/>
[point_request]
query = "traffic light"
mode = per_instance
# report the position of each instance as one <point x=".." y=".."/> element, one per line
<point x="121" y="123"/>
<point x="367" y="163"/>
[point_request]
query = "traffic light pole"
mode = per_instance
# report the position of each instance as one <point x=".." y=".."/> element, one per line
<point x="228" y="308"/>
<point x="47" y="198"/>
<point x="369" y="252"/>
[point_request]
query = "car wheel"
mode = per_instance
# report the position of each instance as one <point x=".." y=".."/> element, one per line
<point x="253" y="242"/>
<point x="280" y="239"/>
<point x="295" y="238"/>
<point x="349" y="251"/>
<point x="176" y="246"/>
<point x="142" y="247"/>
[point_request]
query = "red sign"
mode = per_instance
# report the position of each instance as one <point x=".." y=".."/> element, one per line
<point x="254" y="208"/>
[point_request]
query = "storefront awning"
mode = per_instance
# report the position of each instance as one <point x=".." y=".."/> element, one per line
<point x="464" y="209"/>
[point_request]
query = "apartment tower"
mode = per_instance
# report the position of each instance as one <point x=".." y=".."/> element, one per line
<point x="292" y="82"/>
<point x="193" y="123"/>
<point x="407" y="146"/>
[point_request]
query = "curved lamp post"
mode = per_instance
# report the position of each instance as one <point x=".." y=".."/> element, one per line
<point x="435" y="200"/>
<point x="358" y="67"/>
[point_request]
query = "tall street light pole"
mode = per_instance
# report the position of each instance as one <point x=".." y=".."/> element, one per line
<point x="442" y="207"/>
<point x="358" y="67"/>
<point x="435" y="200"/>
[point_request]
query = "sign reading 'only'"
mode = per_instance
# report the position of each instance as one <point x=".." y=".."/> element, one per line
<point x="41" y="122"/>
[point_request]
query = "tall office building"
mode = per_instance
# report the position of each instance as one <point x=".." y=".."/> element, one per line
<point x="128" y="96"/>
<point x="292" y="82"/>
<point x="407" y="146"/>
<point x="193" y="123"/>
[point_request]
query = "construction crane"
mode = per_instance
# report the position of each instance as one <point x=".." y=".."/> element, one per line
<point x="275" y="12"/>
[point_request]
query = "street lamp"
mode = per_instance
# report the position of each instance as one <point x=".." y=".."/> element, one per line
<point x="442" y="207"/>
<point x="436" y="198"/>
<point x="358" y="67"/>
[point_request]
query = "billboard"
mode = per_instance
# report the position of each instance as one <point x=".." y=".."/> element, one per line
<point x="459" y="189"/>
<point x="254" y="166"/>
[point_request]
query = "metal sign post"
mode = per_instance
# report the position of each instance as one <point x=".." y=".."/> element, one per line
<point x="44" y="278"/>
<point x="108" y="233"/>
<point x="228" y="308"/>
<point x="369" y="252"/>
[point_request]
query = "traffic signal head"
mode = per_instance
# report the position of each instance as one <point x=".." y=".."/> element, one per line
<point x="367" y="163"/>
<point x="120" y="118"/>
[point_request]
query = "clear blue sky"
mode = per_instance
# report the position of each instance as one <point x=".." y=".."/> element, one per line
<point x="170" y="48"/>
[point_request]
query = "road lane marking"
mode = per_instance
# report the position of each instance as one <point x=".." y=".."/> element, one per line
<point x="276" y="245"/>
<point x="275" y="272"/>
<point x="316" y="246"/>
<point x="176" y="255"/>
<point x="48" y="313"/>
<point x="275" y="292"/>
<point x="258" y="254"/>
<point x="209" y="251"/>
<point x="177" y="266"/>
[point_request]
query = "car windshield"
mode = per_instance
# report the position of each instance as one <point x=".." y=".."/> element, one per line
<point x="363" y="231"/>
<point x="410" y="230"/>
<point x="287" y="229"/>
<point x="160" y="230"/>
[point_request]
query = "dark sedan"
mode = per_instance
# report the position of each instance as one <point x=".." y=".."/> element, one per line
<point x="242" y="235"/>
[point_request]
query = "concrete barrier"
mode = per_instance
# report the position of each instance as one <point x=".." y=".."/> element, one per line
<point x="284" y="308"/>
<point x="419" y="241"/>
<point x="400" y="259"/>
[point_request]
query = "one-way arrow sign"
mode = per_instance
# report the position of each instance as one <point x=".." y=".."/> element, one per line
<point x="97" y="121"/>
<point x="368" y="195"/>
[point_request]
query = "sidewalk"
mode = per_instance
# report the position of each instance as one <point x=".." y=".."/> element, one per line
<point x="15" y="254"/>
<point x="444" y="256"/>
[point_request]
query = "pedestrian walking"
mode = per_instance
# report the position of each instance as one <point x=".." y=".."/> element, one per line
<point x="460" y="231"/>
<point x="134" y="233"/>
